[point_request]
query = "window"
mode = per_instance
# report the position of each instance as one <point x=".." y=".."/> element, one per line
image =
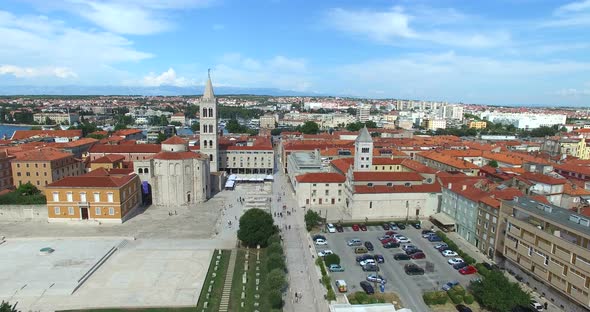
<point x="364" y="150"/>
<point x="18" y="174"/>
<point x="204" y="112"/>
<point x="55" y="196"/>
<point x="69" y="197"/>
<point x="28" y="174"/>
<point x="211" y="112"/>
<point x="407" y="184"/>
<point x="110" y="197"/>
<point x="111" y="211"/>
<point x="370" y="204"/>
<point x="56" y="210"/>
<point x="71" y="211"/>
<point x="83" y="197"/>
<point x="327" y="192"/>
<point x="369" y="184"/>
<point x="140" y="170"/>
<point x="97" y="211"/>
<point x="210" y="128"/>
<point x="96" y="197"/>
<point x="389" y="184"/>
<point x="339" y="192"/>
<point x="146" y="170"/>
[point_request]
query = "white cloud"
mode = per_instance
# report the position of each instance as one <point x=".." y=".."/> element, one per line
<point x="41" y="42"/>
<point x="394" y="26"/>
<point x="573" y="92"/>
<point x="167" y="78"/>
<point x="574" y="14"/>
<point x="29" y="72"/>
<point x="574" y="7"/>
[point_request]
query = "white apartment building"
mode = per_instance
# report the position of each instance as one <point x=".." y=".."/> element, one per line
<point x="268" y="121"/>
<point x="58" y="118"/>
<point x="363" y="111"/>
<point x="524" y="120"/>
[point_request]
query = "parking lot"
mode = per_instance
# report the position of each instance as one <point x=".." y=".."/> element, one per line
<point x="409" y="288"/>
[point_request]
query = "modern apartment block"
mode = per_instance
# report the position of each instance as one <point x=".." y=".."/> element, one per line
<point x="550" y="244"/>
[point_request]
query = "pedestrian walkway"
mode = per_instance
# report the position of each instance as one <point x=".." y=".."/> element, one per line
<point x="225" y="295"/>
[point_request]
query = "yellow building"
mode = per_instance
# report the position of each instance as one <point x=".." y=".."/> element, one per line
<point x="100" y="195"/>
<point x="476" y="124"/>
<point x="109" y="161"/>
<point x="43" y="166"/>
<point x="583" y="150"/>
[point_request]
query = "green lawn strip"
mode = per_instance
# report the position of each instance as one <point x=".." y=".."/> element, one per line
<point x="251" y="285"/>
<point x="135" y="310"/>
<point x="236" y="288"/>
<point x="215" y="297"/>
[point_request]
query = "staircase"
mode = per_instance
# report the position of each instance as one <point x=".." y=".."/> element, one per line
<point x="224" y="304"/>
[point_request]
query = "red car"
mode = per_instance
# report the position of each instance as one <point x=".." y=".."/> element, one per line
<point x="355" y="227"/>
<point x="386" y="240"/>
<point x="418" y="255"/>
<point x="468" y="270"/>
<point x="390" y="233"/>
<point x="363" y="228"/>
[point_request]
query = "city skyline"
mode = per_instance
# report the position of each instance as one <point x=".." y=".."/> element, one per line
<point x="533" y="53"/>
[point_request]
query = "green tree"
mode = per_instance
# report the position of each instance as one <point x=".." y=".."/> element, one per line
<point x="176" y="123"/>
<point x="27" y="189"/>
<point x="6" y="307"/>
<point x="276" y="261"/>
<point x="276" y="279"/>
<point x="371" y="124"/>
<point x="493" y="164"/>
<point x="256" y="226"/>
<point x="161" y="137"/>
<point x="496" y="293"/>
<point x="309" y="127"/>
<point x="196" y="126"/>
<point x="274" y="248"/>
<point x="355" y="126"/>
<point x="275" y="297"/>
<point x="332" y="259"/>
<point x="312" y="219"/>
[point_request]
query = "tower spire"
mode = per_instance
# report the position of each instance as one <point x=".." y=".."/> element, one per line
<point x="208" y="93"/>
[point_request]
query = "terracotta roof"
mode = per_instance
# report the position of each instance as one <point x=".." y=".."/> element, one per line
<point x="448" y="160"/>
<point x="321" y="177"/>
<point x="422" y="188"/>
<point x="379" y="161"/>
<point x="342" y="164"/>
<point x="127" y="148"/>
<point x="80" y="142"/>
<point x="175" y="140"/>
<point x="25" y="134"/>
<point x="42" y="154"/>
<point x="108" y="159"/>
<point x="574" y="190"/>
<point x="541" y="178"/>
<point x="126" y="132"/>
<point x="386" y="176"/>
<point x="96" y="178"/>
<point x="575" y="168"/>
<point x="418" y="167"/>
<point x="178" y="155"/>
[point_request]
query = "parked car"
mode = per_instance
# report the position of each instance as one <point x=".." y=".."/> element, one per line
<point x="369" y="246"/>
<point x="463" y="308"/>
<point x="331" y="228"/>
<point x="434" y="238"/>
<point x="370" y="268"/>
<point x="387" y="240"/>
<point x="410" y="252"/>
<point x="403" y="240"/>
<point x="384" y="238"/>
<point x="318" y="236"/>
<point x="454" y="261"/>
<point x="355" y="227"/>
<point x="401" y="256"/>
<point x="379" y="258"/>
<point x="413" y="269"/>
<point x="354" y="242"/>
<point x="450" y="285"/>
<point x="321" y="241"/>
<point x="376" y="278"/>
<point x="391" y="244"/>
<point x="391" y="233"/>
<point x="335" y="268"/>
<point x="459" y="266"/>
<point x="393" y="226"/>
<point x="416" y="225"/>
<point x="326" y="252"/>
<point x="367" y="287"/>
<point x="401" y="226"/>
<point x="339" y="228"/>
<point x="491" y="267"/>
<point x="341" y="286"/>
<point x="360" y="250"/>
<point x="368" y="261"/>
<point x="440" y="246"/>
<point x="364" y="257"/>
<point x="468" y="270"/>
<point x="427" y="233"/>
<point x="418" y="255"/>
<point x="385" y="226"/>
<point x="536" y="306"/>
<point x="406" y="247"/>
<point x="363" y="227"/>
<point x="449" y="253"/>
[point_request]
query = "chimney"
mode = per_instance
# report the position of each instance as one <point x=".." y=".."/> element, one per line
<point x="463" y="187"/>
<point x="450" y="186"/>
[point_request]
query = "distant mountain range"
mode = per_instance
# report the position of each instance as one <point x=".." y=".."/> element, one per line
<point x="129" y="90"/>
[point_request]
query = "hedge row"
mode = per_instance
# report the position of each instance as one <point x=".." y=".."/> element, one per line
<point x="326" y="280"/>
<point x="435" y="297"/>
<point x="466" y="257"/>
<point x="482" y="270"/>
<point x="276" y="268"/>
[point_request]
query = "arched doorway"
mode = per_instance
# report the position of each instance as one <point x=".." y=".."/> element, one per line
<point x="188" y="197"/>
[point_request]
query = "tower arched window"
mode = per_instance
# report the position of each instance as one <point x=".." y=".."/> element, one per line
<point x="205" y="143"/>
<point x="210" y="157"/>
<point x="204" y="128"/>
<point x="204" y="112"/>
<point x="146" y="170"/>
<point x="210" y="128"/>
<point x="211" y="143"/>
<point x="211" y="112"/>
<point x="140" y="170"/>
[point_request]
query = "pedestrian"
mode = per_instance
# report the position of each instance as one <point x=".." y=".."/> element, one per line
<point x="289" y="226"/>
<point x="281" y="214"/>
<point x="236" y="217"/>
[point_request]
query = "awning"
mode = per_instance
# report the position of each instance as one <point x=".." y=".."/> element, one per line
<point x="443" y="218"/>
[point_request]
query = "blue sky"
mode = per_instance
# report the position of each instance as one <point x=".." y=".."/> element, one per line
<point x="491" y="52"/>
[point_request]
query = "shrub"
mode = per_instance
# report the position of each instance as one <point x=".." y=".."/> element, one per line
<point x="372" y="300"/>
<point x="276" y="279"/>
<point x="361" y="297"/>
<point x="322" y="267"/>
<point x="326" y="281"/>
<point x="275" y="238"/>
<point x="275" y="248"/>
<point x="458" y="289"/>
<point x="312" y="219"/>
<point x="481" y="269"/>
<point x="331" y="296"/>
<point x="457" y="299"/>
<point x="332" y="259"/>
<point x="275" y="261"/>
<point x="435" y="297"/>
<point x="275" y="297"/>
<point x="468" y="298"/>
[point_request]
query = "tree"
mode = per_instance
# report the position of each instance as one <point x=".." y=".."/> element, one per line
<point x="332" y="259"/>
<point x="309" y="127"/>
<point x="370" y="124"/>
<point x="196" y="126"/>
<point x="161" y="137"/>
<point x="276" y="261"/>
<point x="176" y="123"/>
<point x="256" y="226"/>
<point x="312" y="219"/>
<point x="27" y="189"/>
<point x="355" y="126"/>
<point x="493" y="164"/>
<point x="496" y="293"/>
<point x="275" y="297"/>
<point x="276" y="280"/>
<point x="6" y="307"/>
<point x="274" y="248"/>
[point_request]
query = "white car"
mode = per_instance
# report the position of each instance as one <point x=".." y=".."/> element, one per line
<point x="403" y="240"/>
<point x="454" y="261"/>
<point x="368" y="261"/>
<point x="321" y="241"/>
<point x="331" y="228"/>
<point x="449" y="253"/>
<point x="326" y="252"/>
<point x="536" y="306"/>
<point x="406" y="247"/>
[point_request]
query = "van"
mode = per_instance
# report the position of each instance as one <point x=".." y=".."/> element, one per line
<point x="360" y="250"/>
<point x="341" y="286"/>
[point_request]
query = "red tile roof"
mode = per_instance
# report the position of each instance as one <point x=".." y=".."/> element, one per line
<point x="423" y="188"/>
<point x="108" y="159"/>
<point x="42" y="154"/>
<point x="342" y="164"/>
<point x="418" y="167"/>
<point x="96" y="178"/>
<point x="126" y="148"/>
<point x="126" y="132"/>
<point x="386" y="176"/>
<point x="26" y="134"/>
<point x="321" y="177"/>
<point x="541" y="178"/>
<point x="175" y="140"/>
<point x="178" y="155"/>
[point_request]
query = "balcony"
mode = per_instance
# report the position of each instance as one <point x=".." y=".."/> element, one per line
<point x="514" y="231"/>
<point x="537" y="259"/>
<point x="582" y="265"/>
<point x="559" y="284"/>
<point x="544" y="246"/>
<point x="527" y="236"/>
<point x="575" y="279"/>
<point x="523" y="250"/>
<point x="555" y="268"/>
<point x="579" y="296"/>
<point x="510" y="243"/>
<point x="84" y="204"/>
<point x="564" y="256"/>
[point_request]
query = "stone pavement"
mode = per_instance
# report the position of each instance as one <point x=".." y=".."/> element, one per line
<point x="229" y="276"/>
<point x="303" y="273"/>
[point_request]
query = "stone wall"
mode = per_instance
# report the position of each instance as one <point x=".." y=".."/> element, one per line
<point x="23" y="213"/>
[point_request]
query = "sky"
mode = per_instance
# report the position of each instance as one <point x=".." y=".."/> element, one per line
<point x="501" y="52"/>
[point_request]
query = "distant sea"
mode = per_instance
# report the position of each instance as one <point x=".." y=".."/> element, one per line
<point x="8" y="130"/>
